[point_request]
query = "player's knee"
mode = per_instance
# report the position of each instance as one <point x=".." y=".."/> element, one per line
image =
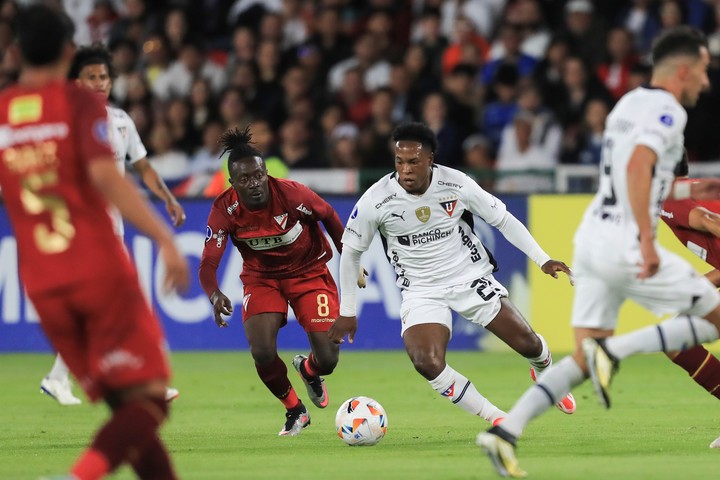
<point x="528" y="346"/>
<point x="263" y="356"/>
<point x="427" y="365"/>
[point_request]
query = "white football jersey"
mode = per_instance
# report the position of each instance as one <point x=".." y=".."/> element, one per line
<point x="428" y="238"/>
<point x="644" y="116"/>
<point x="127" y="146"/>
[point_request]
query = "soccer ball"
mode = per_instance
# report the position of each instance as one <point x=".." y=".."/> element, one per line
<point x="361" y="421"/>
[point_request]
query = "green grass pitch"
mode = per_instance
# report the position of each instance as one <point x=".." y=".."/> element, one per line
<point x="225" y="424"/>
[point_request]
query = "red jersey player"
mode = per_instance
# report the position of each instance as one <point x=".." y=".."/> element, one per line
<point x="697" y="226"/>
<point x="56" y="172"/>
<point x="274" y="225"/>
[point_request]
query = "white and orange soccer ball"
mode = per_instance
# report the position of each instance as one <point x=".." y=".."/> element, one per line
<point x="361" y="421"/>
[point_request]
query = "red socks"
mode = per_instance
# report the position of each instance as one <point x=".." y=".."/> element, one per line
<point x="129" y="436"/>
<point x="702" y="366"/>
<point x="274" y="376"/>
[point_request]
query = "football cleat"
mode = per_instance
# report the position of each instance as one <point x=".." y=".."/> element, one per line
<point x="60" y="390"/>
<point x="315" y="385"/>
<point x="715" y="443"/>
<point x="171" y="394"/>
<point x="499" y="446"/>
<point x="295" y="420"/>
<point x="602" y="367"/>
<point x="566" y="405"/>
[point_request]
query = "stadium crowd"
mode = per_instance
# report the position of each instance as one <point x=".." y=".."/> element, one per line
<point x="506" y="85"/>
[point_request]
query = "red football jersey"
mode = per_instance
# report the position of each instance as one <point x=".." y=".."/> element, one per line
<point x="282" y="240"/>
<point x="47" y="138"/>
<point x="676" y="214"/>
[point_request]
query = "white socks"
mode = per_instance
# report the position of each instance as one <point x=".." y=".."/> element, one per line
<point x="59" y="370"/>
<point x="677" y="333"/>
<point x="551" y="386"/>
<point x="543" y="361"/>
<point x="463" y="393"/>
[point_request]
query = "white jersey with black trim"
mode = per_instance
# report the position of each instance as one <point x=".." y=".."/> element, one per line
<point x="128" y="148"/>
<point x="645" y="116"/>
<point x="428" y="238"/>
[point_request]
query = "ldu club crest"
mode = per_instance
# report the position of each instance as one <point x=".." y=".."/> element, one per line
<point x="423" y="214"/>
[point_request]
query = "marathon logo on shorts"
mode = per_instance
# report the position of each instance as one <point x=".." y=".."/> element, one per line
<point x="322" y="320"/>
<point x="120" y="359"/>
<point x="268" y="243"/>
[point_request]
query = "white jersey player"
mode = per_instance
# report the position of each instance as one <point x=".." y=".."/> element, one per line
<point x="616" y="254"/>
<point x="424" y="212"/>
<point x="92" y="69"/>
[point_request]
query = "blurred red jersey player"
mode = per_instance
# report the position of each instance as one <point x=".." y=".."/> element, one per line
<point x="274" y="225"/>
<point x="697" y="225"/>
<point x="57" y="173"/>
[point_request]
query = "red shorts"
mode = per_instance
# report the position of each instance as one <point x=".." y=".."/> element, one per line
<point x="106" y="333"/>
<point x="313" y="297"/>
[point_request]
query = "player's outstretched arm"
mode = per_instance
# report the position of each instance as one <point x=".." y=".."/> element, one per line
<point x="221" y="306"/>
<point x="121" y="193"/>
<point x="157" y="186"/>
<point x="346" y="323"/>
<point x="714" y="277"/>
<point x="639" y="180"/>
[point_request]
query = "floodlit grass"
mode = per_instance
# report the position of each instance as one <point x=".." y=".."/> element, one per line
<point x="225" y="423"/>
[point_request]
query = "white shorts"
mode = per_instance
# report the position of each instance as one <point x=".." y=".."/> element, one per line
<point x="477" y="301"/>
<point x="602" y="286"/>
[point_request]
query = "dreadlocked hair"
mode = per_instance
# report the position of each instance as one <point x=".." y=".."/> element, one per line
<point x="239" y="143"/>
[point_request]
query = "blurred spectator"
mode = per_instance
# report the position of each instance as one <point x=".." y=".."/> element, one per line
<point x="499" y="113"/>
<point x="375" y="138"/>
<point x="672" y="14"/>
<point x="527" y="17"/>
<point x="639" y="75"/>
<point x="179" y="121"/>
<point x="593" y="128"/>
<point x="201" y="103"/>
<point x="344" y="147"/>
<point x="294" y="146"/>
<point x="175" y="29"/>
<point x="434" y="115"/>
<point x="100" y="21"/>
<point x="580" y="85"/>
<point x="463" y="35"/>
<point x="155" y="58"/>
<point x="135" y="22"/>
<point x="376" y="72"/>
<point x="511" y="55"/>
<point x="548" y="73"/>
<point x="243" y="48"/>
<point x="352" y="95"/>
<point x="405" y="105"/>
<point x="463" y="97"/>
<point x="478" y="152"/>
<point x="192" y="62"/>
<point x="332" y="44"/>
<point x="614" y="72"/>
<point x="170" y="163"/>
<point x="232" y="109"/>
<point x="142" y="118"/>
<point x="585" y="32"/>
<point x="206" y="160"/>
<point x="430" y="38"/>
<point x="124" y="59"/>
<point x="518" y="154"/>
<point x="379" y="25"/>
<point x="642" y="19"/>
<point x="294" y="28"/>
<point x="420" y="76"/>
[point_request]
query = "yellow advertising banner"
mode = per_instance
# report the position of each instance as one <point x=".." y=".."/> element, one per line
<point x="552" y="219"/>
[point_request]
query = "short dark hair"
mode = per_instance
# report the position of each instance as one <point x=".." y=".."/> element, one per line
<point x="95" y="54"/>
<point x="417" y="132"/>
<point x="680" y="40"/>
<point x="42" y="34"/>
<point x="239" y="144"/>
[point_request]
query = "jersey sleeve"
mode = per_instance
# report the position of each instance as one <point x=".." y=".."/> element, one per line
<point x="92" y="123"/>
<point x="677" y="212"/>
<point x="482" y="203"/>
<point x="216" y="238"/>
<point x="362" y="224"/>
<point x="136" y="149"/>
<point x="664" y="124"/>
